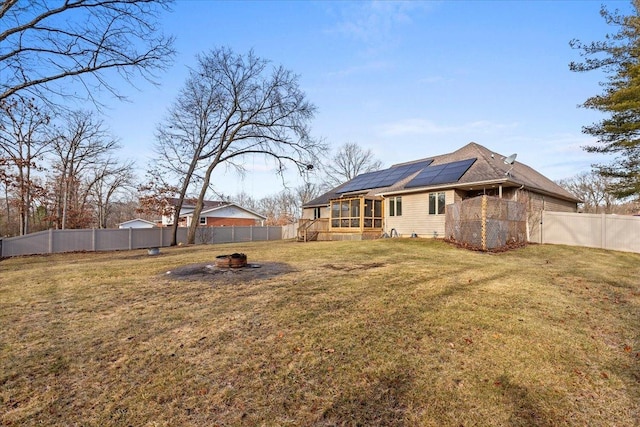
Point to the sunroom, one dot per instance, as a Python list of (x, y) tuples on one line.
[(356, 217)]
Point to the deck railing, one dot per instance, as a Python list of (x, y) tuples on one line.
[(309, 229)]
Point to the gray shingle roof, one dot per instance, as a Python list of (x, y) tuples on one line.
[(488, 167)]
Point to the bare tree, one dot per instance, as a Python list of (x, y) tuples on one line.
[(181, 141), (6, 182), (23, 143), (127, 206), (234, 105), (46, 44), (81, 148), (349, 161), (108, 180), (307, 192), (593, 189), (280, 209), (245, 200)]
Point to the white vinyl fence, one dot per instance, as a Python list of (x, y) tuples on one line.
[(615, 232), (55, 241)]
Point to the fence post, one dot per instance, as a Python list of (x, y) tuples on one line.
[(484, 223), (603, 231), (93, 239), (130, 238), (233, 233), (51, 240), (251, 233)]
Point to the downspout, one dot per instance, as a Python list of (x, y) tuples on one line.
[(361, 214), (384, 215), (541, 213)]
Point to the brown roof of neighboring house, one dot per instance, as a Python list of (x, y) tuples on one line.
[(488, 167), (191, 202)]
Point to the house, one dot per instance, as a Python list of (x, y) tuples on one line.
[(214, 213), (137, 223), (409, 199)]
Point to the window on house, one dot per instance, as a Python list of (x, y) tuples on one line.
[(203, 220), (395, 206), (437, 202), (316, 213)]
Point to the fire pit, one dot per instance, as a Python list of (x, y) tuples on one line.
[(231, 261)]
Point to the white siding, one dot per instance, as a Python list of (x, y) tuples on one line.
[(415, 216), (307, 213), (137, 223), (536, 204), (230, 212)]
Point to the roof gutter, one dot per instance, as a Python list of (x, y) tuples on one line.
[(477, 184)]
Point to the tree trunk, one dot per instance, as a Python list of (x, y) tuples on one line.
[(183, 192), (65, 202), (6, 198), (191, 234), (22, 211), (174, 226)]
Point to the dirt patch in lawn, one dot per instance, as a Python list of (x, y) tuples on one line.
[(210, 272), (352, 267)]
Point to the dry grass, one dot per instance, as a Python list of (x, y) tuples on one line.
[(390, 332)]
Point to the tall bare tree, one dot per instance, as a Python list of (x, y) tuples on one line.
[(181, 141), (6, 181), (234, 105), (23, 143), (82, 147), (349, 161), (47, 44), (108, 180)]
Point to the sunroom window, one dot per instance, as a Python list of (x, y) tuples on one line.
[(348, 213)]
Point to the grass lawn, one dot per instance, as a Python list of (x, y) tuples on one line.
[(395, 332)]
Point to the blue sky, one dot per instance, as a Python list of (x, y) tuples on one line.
[(405, 79)]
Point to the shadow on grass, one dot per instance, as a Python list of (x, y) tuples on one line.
[(525, 412), (381, 403)]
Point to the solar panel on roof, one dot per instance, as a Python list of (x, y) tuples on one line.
[(383, 178), (441, 174), (361, 182)]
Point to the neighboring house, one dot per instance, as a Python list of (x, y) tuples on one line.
[(214, 213), (137, 223), (409, 199)]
